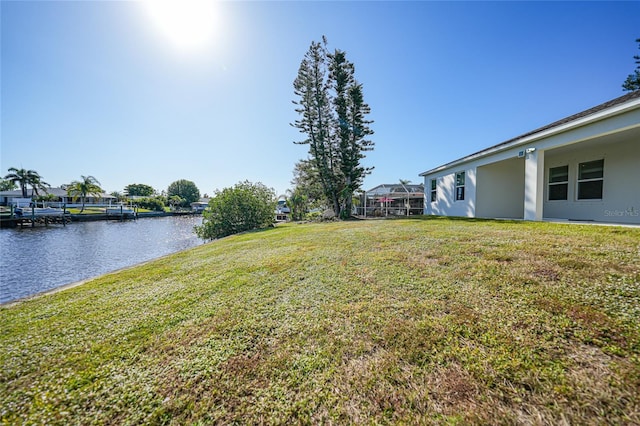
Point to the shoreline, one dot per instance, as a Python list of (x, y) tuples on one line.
[(63, 287), (12, 222)]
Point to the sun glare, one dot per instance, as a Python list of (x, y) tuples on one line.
[(187, 24)]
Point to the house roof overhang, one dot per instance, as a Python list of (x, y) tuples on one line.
[(600, 112)]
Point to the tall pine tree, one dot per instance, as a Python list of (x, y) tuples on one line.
[(333, 112), (316, 119), (632, 82), (352, 127)]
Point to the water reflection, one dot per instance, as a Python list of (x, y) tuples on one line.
[(38, 259)]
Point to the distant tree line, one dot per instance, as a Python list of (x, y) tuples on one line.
[(180, 193)]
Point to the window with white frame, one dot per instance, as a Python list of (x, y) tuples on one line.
[(460, 186), (558, 183), (590, 180), (434, 190)]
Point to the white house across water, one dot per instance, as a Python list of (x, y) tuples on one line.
[(60, 198), (585, 167)]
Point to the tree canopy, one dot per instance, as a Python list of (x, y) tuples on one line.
[(7, 185), (243, 207), (185, 189), (139, 190), (305, 181), (333, 119), (632, 82)]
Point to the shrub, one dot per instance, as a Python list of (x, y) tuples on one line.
[(244, 207), (314, 216), (154, 204)]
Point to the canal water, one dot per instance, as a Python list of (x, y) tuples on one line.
[(33, 260)]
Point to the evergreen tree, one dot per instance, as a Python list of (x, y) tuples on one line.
[(315, 108), (352, 128), (633, 80), (332, 109)]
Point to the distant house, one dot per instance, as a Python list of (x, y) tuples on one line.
[(395, 199), (200, 205), (282, 210), (60, 197), (585, 167)]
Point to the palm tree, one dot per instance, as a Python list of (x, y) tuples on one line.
[(38, 183), (88, 185), (26, 178)]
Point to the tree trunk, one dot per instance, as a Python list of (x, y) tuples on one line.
[(348, 205), (336, 204)]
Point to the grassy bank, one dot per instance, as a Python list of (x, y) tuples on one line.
[(425, 321)]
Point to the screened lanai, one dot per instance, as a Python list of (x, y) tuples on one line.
[(394, 199)]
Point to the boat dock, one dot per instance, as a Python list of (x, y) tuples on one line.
[(121, 212), (32, 216)]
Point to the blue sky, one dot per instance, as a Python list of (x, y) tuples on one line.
[(96, 88)]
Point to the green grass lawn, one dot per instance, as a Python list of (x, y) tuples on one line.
[(87, 210), (411, 321)]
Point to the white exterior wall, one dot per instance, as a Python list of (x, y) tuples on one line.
[(446, 204), (499, 189), (621, 186), (614, 136)]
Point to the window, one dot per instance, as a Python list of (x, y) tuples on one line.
[(460, 186), (434, 193), (590, 180), (558, 183)]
